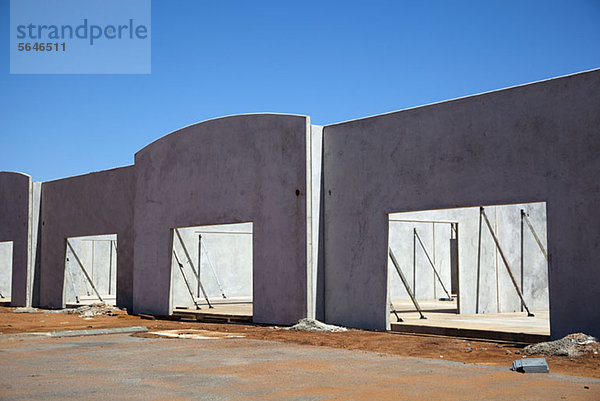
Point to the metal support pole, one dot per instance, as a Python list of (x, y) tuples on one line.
[(189, 258), (537, 239), (70, 273), (83, 270), (110, 252), (522, 264), (414, 264), (412, 297), (214, 272), (510, 273), (478, 263), (433, 266), (393, 310), (187, 284)]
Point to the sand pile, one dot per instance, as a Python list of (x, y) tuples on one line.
[(315, 325)]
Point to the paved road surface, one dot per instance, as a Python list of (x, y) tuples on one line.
[(121, 366)]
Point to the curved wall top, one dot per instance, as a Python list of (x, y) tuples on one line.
[(229, 170)]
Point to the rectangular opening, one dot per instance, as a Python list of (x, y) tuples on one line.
[(6, 268), (471, 261), (211, 269), (91, 269)]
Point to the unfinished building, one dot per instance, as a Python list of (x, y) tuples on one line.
[(488, 202), (532, 143)]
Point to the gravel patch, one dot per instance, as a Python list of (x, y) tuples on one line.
[(573, 345)]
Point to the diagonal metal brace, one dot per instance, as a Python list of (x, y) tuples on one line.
[(505, 260), (187, 284), (432, 265), (410, 293), (189, 258), (535, 236), (85, 273)]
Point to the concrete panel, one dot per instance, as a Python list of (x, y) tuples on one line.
[(316, 244), (496, 291), (93, 204), (536, 142), (98, 254), (6, 266), (226, 250), (15, 221), (249, 168), (35, 252)]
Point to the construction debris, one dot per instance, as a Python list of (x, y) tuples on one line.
[(85, 311), (315, 325), (25, 310), (533, 365), (573, 345), (96, 309)]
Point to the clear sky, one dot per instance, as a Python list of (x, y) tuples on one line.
[(333, 61)]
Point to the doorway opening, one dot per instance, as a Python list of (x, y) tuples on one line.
[(6, 268), (211, 269), (460, 264), (91, 269)]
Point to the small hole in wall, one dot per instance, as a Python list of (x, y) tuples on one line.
[(297, 192), (330, 192)]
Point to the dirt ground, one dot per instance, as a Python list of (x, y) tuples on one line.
[(436, 347)]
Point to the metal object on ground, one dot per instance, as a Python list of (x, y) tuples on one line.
[(412, 297), (505, 260), (530, 365)]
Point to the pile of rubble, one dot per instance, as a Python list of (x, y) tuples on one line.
[(573, 345), (86, 311), (315, 325), (96, 309)]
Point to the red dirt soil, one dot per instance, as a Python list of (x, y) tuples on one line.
[(448, 348)]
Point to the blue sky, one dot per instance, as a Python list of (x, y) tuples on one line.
[(333, 61)]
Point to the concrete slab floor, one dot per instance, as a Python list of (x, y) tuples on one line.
[(126, 367), (223, 308), (443, 314)]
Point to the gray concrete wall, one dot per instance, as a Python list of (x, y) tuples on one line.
[(248, 168), (495, 293), (15, 222), (225, 248), (317, 268), (35, 248), (93, 204), (536, 142)]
